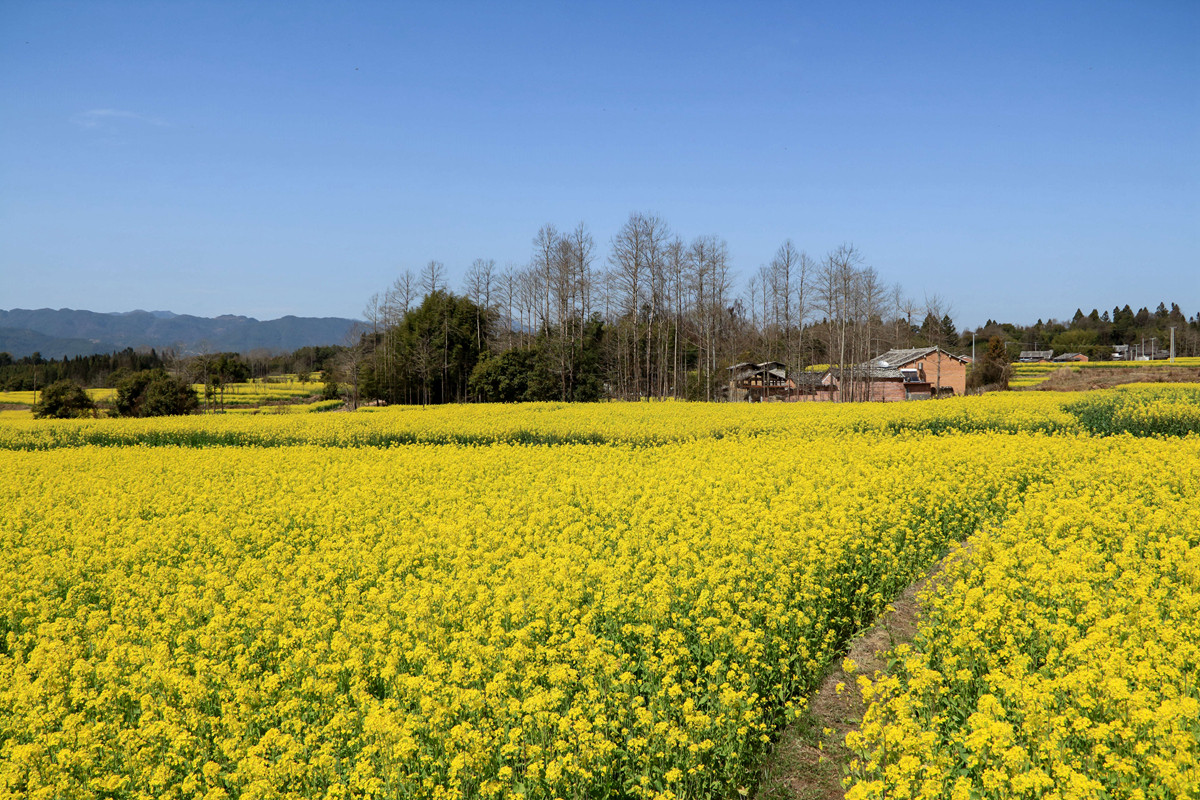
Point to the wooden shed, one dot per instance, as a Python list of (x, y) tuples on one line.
[(756, 382)]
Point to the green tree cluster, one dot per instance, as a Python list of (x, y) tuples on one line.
[(427, 357), (992, 370), (64, 399), (154, 393), (940, 332), (544, 371), (515, 376), (443, 351), (332, 389), (216, 371), (34, 372)]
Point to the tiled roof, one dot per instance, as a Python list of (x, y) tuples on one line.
[(888, 364), (809, 378)]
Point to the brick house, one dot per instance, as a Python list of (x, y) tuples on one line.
[(913, 374)]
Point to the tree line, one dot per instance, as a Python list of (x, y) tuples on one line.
[(145, 393), (1094, 334), (656, 316), (33, 372)]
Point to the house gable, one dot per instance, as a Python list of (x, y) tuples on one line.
[(903, 374)]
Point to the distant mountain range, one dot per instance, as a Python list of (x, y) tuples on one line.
[(65, 333)]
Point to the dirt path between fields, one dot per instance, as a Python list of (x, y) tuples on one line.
[(1083, 380), (810, 758)]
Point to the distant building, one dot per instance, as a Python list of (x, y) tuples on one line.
[(1036, 356), (757, 382), (1065, 357), (913, 374), (769, 381), (811, 387), (1120, 352)]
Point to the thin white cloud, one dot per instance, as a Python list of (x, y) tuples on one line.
[(101, 118)]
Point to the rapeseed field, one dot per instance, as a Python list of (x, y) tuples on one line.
[(1059, 654), (586, 601)]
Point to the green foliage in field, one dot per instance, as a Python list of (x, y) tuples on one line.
[(154, 393), (1162, 411)]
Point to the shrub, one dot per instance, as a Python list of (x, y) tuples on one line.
[(63, 400), (154, 393)]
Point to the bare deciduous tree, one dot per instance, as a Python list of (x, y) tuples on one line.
[(433, 278), (480, 284)]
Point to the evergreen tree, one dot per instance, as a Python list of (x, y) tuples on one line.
[(62, 400), (993, 369), (154, 393)]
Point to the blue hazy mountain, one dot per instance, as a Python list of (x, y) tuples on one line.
[(65, 332)]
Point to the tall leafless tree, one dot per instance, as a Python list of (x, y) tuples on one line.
[(433, 278), (480, 285)]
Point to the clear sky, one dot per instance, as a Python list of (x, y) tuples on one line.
[(1017, 159)]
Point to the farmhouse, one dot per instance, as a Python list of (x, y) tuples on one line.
[(757, 382), (913, 374), (1035, 356), (1066, 357)]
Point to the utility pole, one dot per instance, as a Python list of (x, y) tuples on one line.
[(972, 352), (939, 372), (1172, 344)]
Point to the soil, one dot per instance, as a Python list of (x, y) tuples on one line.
[(1070, 380), (810, 758)]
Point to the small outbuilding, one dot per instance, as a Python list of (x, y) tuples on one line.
[(758, 382)]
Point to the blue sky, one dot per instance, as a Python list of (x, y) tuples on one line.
[(1016, 159)]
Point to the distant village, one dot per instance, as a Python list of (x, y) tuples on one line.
[(899, 374), (908, 374)]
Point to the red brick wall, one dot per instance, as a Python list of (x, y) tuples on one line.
[(881, 391), (954, 372), (953, 379)]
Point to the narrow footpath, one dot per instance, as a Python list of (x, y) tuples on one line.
[(811, 757)]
